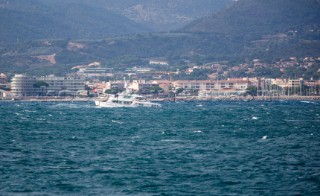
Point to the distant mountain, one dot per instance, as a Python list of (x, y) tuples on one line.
[(164, 15), (269, 30), (36, 19), (261, 17), (90, 19)]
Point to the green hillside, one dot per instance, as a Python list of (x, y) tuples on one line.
[(249, 29), (90, 19), (34, 19), (164, 15), (261, 17)]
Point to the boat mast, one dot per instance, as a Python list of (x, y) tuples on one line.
[(127, 91)]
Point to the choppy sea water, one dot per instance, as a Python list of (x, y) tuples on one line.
[(183, 148)]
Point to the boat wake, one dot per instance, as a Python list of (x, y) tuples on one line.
[(118, 122), (309, 102)]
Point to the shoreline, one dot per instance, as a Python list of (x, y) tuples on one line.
[(216, 98), (50, 99), (269, 98)]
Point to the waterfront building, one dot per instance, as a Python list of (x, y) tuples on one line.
[(222, 92), (214, 88), (142, 86), (3, 78), (4, 84), (211, 85), (58, 85), (22, 85), (313, 87), (166, 85), (119, 85), (100, 88), (5, 94), (295, 83), (282, 83)]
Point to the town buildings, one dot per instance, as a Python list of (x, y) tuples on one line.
[(62, 85), (214, 87), (158, 62), (95, 72), (207, 80), (4, 82), (23, 85), (4, 86), (3, 78), (144, 87)]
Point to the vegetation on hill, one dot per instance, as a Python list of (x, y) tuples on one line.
[(92, 19), (261, 17), (34, 19), (120, 53), (165, 15)]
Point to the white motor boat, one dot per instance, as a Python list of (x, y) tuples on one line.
[(124, 100)]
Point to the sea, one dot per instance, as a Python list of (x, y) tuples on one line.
[(182, 148)]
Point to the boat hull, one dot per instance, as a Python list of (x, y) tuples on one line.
[(108, 104)]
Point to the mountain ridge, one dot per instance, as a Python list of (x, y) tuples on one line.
[(92, 19), (253, 36), (260, 16), (34, 20)]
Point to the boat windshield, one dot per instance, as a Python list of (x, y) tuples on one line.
[(140, 98), (127, 97)]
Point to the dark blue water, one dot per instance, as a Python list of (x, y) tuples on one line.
[(185, 148)]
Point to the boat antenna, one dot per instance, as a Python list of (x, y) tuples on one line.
[(126, 86), (125, 83)]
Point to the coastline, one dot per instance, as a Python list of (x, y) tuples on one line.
[(51, 99), (214, 98), (267, 98)]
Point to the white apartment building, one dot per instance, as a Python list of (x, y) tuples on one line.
[(95, 72), (142, 86), (210, 85), (22, 85), (158, 62), (58, 84)]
